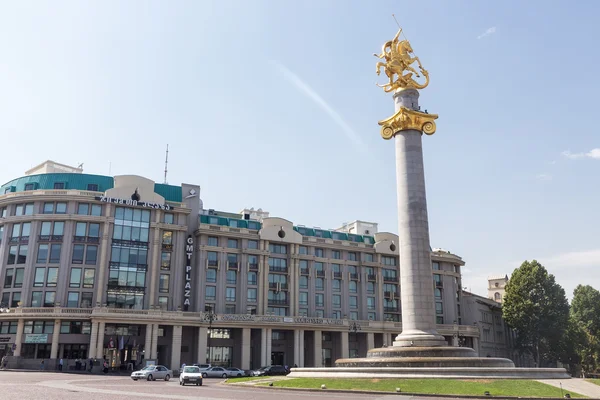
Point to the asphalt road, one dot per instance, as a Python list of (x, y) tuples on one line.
[(62, 386)]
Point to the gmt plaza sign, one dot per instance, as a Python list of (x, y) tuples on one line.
[(134, 203), (187, 289)]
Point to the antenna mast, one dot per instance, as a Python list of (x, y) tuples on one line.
[(166, 163)]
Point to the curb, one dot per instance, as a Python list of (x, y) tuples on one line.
[(381, 392)]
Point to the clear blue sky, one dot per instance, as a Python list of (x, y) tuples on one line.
[(273, 104)]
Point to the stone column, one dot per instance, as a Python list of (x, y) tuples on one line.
[(301, 344), (104, 258), (318, 349), (100, 346), (93, 340), (370, 340), (245, 349), (344, 345), (263, 347), (416, 281), (269, 339), (176, 347), (154, 352), (55, 335), (148, 342), (202, 344), (297, 347), (476, 345), (154, 266), (19, 337)]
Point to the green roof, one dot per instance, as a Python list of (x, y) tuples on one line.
[(81, 182)]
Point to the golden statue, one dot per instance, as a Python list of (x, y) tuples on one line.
[(398, 62)]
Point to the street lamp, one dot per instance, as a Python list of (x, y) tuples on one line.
[(209, 316), (4, 308)]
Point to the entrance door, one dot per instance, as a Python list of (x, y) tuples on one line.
[(277, 358)]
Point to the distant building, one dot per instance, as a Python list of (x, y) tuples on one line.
[(496, 287)]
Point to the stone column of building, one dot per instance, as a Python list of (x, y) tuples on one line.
[(476, 345), (176, 347), (344, 345), (263, 346), (293, 279), (55, 336), (100, 345), (19, 337), (154, 350), (379, 289), (370, 340), (297, 347), (93, 340), (154, 265), (246, 348), (263, 283), (148, 341), (202, 344), (418, 306), (318, 349), (102, 269), (301, 344), (269, 342)]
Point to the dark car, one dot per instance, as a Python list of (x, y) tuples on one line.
[(271, 370)]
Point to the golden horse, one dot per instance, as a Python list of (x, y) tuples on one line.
[(398, 61)]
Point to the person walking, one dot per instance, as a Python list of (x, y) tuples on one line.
[(60, 365), (42, 365), (91, 364), (4, 360)]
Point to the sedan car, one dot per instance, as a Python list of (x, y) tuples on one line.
[(215, 372), (235, 372), (271, 370), (191, 375), (152, 373)]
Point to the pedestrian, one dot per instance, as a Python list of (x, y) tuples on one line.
[(105, 367), (4, 360), (42, 365), (295, 365), (91, 364), (60, 365)]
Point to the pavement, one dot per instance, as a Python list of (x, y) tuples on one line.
[(576, 385)]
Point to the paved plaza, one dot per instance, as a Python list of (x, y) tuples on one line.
[(54, 386)]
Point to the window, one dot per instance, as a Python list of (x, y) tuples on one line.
[(351, 256), (278, 248), (336, 300), (24, 209), (439, 308), (303, 250), (252, 278), (387, 260), (319, 300), (167, 238), (354, 316), (12, 254), (36, 299), (83, 209), (232, 260), (3, 212), (277, 264), (211, 275), (232, 243), (230, 294), (371, 303), (213, 259), (319, 252), (21, 231), (78, 250), (40, 275), (252, 295), (52, 277), (8, 277), (319, 284), (368, 257), (165, 263), (75, 279), (86, 300), (49, 299), (38, 327), (89, 277), (213, 241), (169, 218), (54, 253), (336, 285), (253, 244), (435, 266), (497, 296), (8, 327), (18, 280), (438, 294), (163, 302), (163, 286), (61, 208), (353, 301), (5, 298), (353, 286), (29, 186), (96, 210), (336, 254), (48, 208), (210, 293), (320, 313), (91, 255), (73, 300), (231, 277), (92, 187), (303, 282), (303, 298), (372, 316), (59, 185), (439, 320)]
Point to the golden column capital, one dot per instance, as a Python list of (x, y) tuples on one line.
[(406, 119)]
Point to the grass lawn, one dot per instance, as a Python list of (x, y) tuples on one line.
[(245, 379), (497, 388), (596, 381)]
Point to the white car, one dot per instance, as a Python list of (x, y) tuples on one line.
[(190, 375), (152, 373)]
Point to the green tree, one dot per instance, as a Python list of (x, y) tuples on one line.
[(585, 313), (536, 307)]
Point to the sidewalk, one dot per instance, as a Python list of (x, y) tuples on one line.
[(576, 385)]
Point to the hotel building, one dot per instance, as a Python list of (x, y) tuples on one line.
[(130, 270)]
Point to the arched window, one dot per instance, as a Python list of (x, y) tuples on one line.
[(497, 296)]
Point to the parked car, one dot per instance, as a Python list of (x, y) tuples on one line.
[(271, 370), (190, 375), (235, 372), (215, 372), (203, 367), (152, 373)]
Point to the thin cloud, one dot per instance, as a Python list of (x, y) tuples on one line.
[(488, 32), (309, 92), (593, 153), (543, 177)]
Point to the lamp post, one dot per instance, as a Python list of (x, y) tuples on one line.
[(209, 316)]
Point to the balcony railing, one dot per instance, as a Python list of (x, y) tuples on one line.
[(278, 286), (304, 271), (50, 238), (320, 274), (131, 243), (86, 239), (233, 265), (439, 284), (125, 288), (371, 277), (390, 294), (117, 265), (19, 239), (337, 274), (353, 276), (167, 246), (390, 309), (273, 268), (390, 279), (213, 263), (278, 302), (253, 267)]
